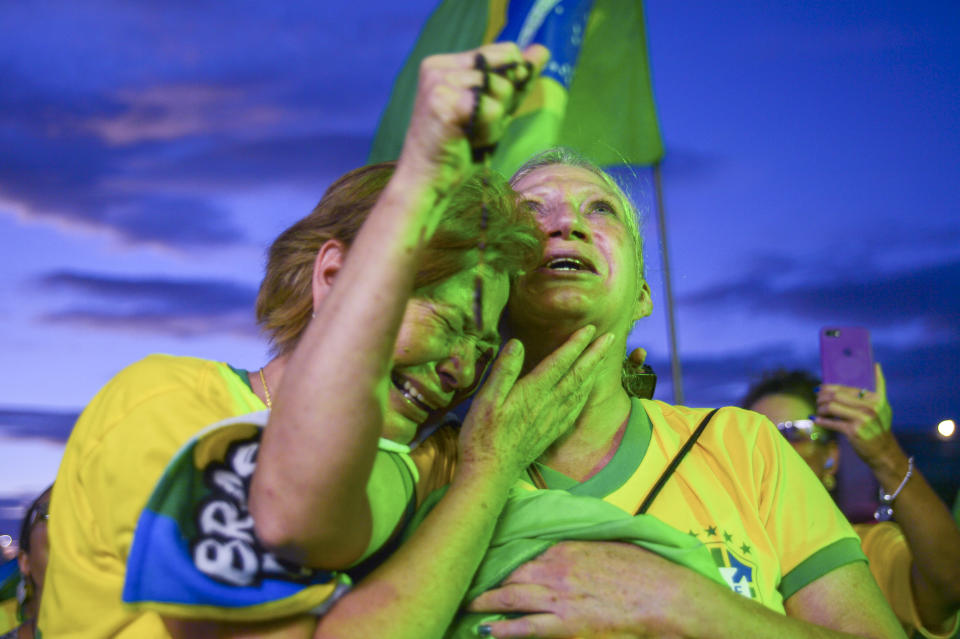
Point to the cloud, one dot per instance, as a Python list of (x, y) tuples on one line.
[(150, 166), (882, 299), (171, 112), (301, 159), (66, 182), (142, 137), (50, 426), (921, 380), (182, 308), (722, 379)]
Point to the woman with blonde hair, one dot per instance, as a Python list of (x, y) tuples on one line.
[(383, 311)]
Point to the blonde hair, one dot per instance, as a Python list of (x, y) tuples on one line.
[(285, 300)]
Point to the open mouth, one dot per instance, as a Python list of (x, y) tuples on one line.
[(570, 263), (409, 391)]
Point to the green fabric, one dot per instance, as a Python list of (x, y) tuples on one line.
[(630, 452), (611, 116), (243, 375), (454, 26), (554, 479), (828, 558), (608, 114), (535, 520)]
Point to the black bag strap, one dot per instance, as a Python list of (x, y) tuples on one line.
[(674, 463)]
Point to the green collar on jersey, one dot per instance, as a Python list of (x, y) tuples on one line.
[(633, 446)]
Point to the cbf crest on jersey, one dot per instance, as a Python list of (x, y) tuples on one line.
[(736, 571), (733, 559)]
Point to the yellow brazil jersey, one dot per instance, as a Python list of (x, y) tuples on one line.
[(117, 451), (742, 491)]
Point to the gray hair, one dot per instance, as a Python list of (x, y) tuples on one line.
[(568, 157)]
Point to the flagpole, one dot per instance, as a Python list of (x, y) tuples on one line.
[(668, 289)]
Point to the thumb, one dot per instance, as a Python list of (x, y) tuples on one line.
[(881, 383)]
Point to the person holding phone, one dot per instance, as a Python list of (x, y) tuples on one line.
[(916, 561)]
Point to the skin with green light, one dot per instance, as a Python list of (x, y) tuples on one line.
[(865, 418), (368, 324), (610, 589)]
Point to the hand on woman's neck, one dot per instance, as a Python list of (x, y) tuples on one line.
[(592, 439)]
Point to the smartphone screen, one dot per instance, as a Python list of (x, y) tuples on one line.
[(846, 357)]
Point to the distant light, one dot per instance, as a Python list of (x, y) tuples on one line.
[(947, 428)]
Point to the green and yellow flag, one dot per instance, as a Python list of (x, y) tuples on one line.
[(594, 96)]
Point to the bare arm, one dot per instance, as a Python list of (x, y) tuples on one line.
[(616, 589), (318, 451), (416, 592), (931, 533)]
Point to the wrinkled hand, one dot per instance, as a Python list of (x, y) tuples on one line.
[(436, 146), (863, 416), (511, 422), (588, 589)]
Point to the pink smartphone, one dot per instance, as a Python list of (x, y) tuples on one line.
[(846, 357)]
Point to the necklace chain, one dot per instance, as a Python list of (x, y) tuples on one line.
[(266, 389)]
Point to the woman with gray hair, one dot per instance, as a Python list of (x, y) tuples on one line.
[(792, 564)]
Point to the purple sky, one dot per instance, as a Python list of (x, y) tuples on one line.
[(150, 151)]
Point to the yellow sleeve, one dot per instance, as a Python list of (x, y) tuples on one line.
[(809, 533), (116, 453), (890, 562), (151, 410)]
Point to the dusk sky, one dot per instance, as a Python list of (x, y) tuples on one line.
[(150, 151)]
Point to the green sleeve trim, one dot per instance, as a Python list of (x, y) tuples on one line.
[(242, 374), (623, 465), (839, 553), (625, 461)]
